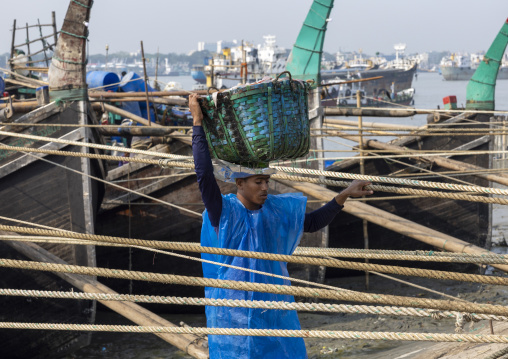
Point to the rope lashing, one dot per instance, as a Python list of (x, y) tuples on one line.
[(346, 295), (399, 336), (69, 61), (401, 181), (426, 273), (74, 35), (93, 145), (424, 256), (278, 176), (423, 193), (399, 190), (391, 180), (254, 304), (84, 155), (81, 4)]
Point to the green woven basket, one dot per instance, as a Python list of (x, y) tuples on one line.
[(258, 123)]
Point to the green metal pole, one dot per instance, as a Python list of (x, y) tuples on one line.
[(481, 89), (304, 62)]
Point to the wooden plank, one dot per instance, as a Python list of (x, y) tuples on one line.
[(36, 116), (147, 189), (25, 160)]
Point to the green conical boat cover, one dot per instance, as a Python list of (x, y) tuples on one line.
[(304, 62), (481, 89)]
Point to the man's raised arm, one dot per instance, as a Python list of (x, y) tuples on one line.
[(210, 192)]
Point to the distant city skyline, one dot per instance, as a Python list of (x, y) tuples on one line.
[(177, 26)]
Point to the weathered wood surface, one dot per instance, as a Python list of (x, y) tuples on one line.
[(466, 350), (67, 69), (132, 311), (467, 221), (42, 193)]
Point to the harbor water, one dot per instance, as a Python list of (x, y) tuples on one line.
[(430, 90)]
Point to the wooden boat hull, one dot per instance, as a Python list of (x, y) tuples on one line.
[(36, 191), (468, 221), (402, 79)]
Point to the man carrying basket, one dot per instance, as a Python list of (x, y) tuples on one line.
[(253, 220)]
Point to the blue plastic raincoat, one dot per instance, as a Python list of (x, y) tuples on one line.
[(275, 228)]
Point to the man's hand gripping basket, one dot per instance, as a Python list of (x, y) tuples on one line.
[(258, 123)]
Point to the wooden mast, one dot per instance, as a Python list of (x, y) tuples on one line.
[(67, 75)]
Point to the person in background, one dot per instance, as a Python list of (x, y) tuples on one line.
[(253, 220)]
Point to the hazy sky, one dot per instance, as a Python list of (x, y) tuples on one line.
[(178, 25)]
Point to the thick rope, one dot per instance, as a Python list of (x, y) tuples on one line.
[(26, 124), (407, 191), (429, 337), (254, 304), (293, 280), (400, 181), (83, 155), (426, 273), (341, 294), (94, 145), (424, 256), (399, 190)]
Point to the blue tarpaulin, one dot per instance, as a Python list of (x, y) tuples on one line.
[(275, 228)]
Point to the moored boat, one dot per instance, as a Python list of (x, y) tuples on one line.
[(43, 190)]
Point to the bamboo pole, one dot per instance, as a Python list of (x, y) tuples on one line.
[(441, 161), (374, 112), (28, 106), (396, 223), (127, 114), (53, 24), (164, 101), (373, 124), (116, 110), (103, 94), (13, 42), (362, 171), (137, 314), (24, 78), (146, 85), (28, 46)]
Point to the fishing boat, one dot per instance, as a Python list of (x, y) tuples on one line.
[(468, 221), (55, 191), (343, 93), (458, 67), (400, 72)]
